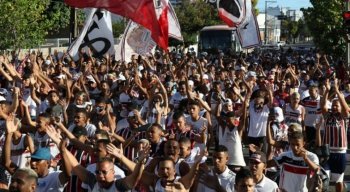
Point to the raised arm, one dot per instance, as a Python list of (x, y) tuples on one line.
[(344, 105), (132, 179), (188, 179), (324, 99), (70, 162), (11, 127)]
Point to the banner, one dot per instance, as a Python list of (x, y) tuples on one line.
[(137, 40), (249, 34), (239, 14), (151, 14), (96, 35), (232, 12), (174, 25)]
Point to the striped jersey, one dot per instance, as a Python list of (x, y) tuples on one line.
[(335, 131), (294, 170), (293, 115), (126, 133), (312, 110), (84, 159)]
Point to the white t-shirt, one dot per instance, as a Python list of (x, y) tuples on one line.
[(266, 185), (50, 183), (233, 142), (226, 180), (176, 98), (258, 121), (90, 128), (118, 173), (20, 160)]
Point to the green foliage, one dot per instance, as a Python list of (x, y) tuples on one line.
[(25, 23), (119, 27), (325, 23), (193, 16)]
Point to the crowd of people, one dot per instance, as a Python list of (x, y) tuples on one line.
[(173, 121)]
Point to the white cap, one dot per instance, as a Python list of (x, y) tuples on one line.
[(90, 79), (61, 76), (140, 68), (190, 83), (2, 98), (228, 102), (131, 114), (205, 76), (121, 77), (242, 68), (47, 62), (278, 112), (251, 74)]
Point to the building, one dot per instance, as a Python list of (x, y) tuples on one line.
[(272, 25)]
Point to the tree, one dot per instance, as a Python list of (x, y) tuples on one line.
[(25, 23), (119, 27), (324, 21), (193, 16)]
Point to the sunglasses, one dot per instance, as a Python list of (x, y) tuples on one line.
[(103, 172)]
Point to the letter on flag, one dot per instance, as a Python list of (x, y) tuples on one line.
[(151, 14), (96, 35)]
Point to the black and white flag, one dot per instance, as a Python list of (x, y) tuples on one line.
[(96, 35)]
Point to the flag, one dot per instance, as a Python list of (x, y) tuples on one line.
[(96, 35), (248, 34), (151, 14), (248, 31), (232, 12), (239, 14), (174, 26), (137, 40)]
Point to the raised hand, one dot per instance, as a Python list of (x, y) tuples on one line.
[(327, 85), (175, 187), (159, 108), (336, 85), (143, 154), (116, 152), (54, 134), (11, 124)]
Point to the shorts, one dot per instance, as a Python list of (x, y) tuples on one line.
[(337, 165), (310, 133)]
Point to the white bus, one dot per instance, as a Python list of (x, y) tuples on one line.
[(218, 37)]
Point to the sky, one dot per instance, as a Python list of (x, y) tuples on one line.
[(293, 4)]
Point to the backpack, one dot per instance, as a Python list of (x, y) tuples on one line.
[(318, 182)]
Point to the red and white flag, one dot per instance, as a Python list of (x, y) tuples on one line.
[(232, 12), (151, 14), (137, 40)]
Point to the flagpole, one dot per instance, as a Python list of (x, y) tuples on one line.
[(73, 24)]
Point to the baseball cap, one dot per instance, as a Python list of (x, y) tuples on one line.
[(42, 153), (258, 156), (278, 112), (205, 76), (2, 98), (251, 74), (228, 102)]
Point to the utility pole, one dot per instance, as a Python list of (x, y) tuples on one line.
[(72, 24), (265, 32)]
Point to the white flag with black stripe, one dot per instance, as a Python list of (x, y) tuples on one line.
[(96, 35)]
